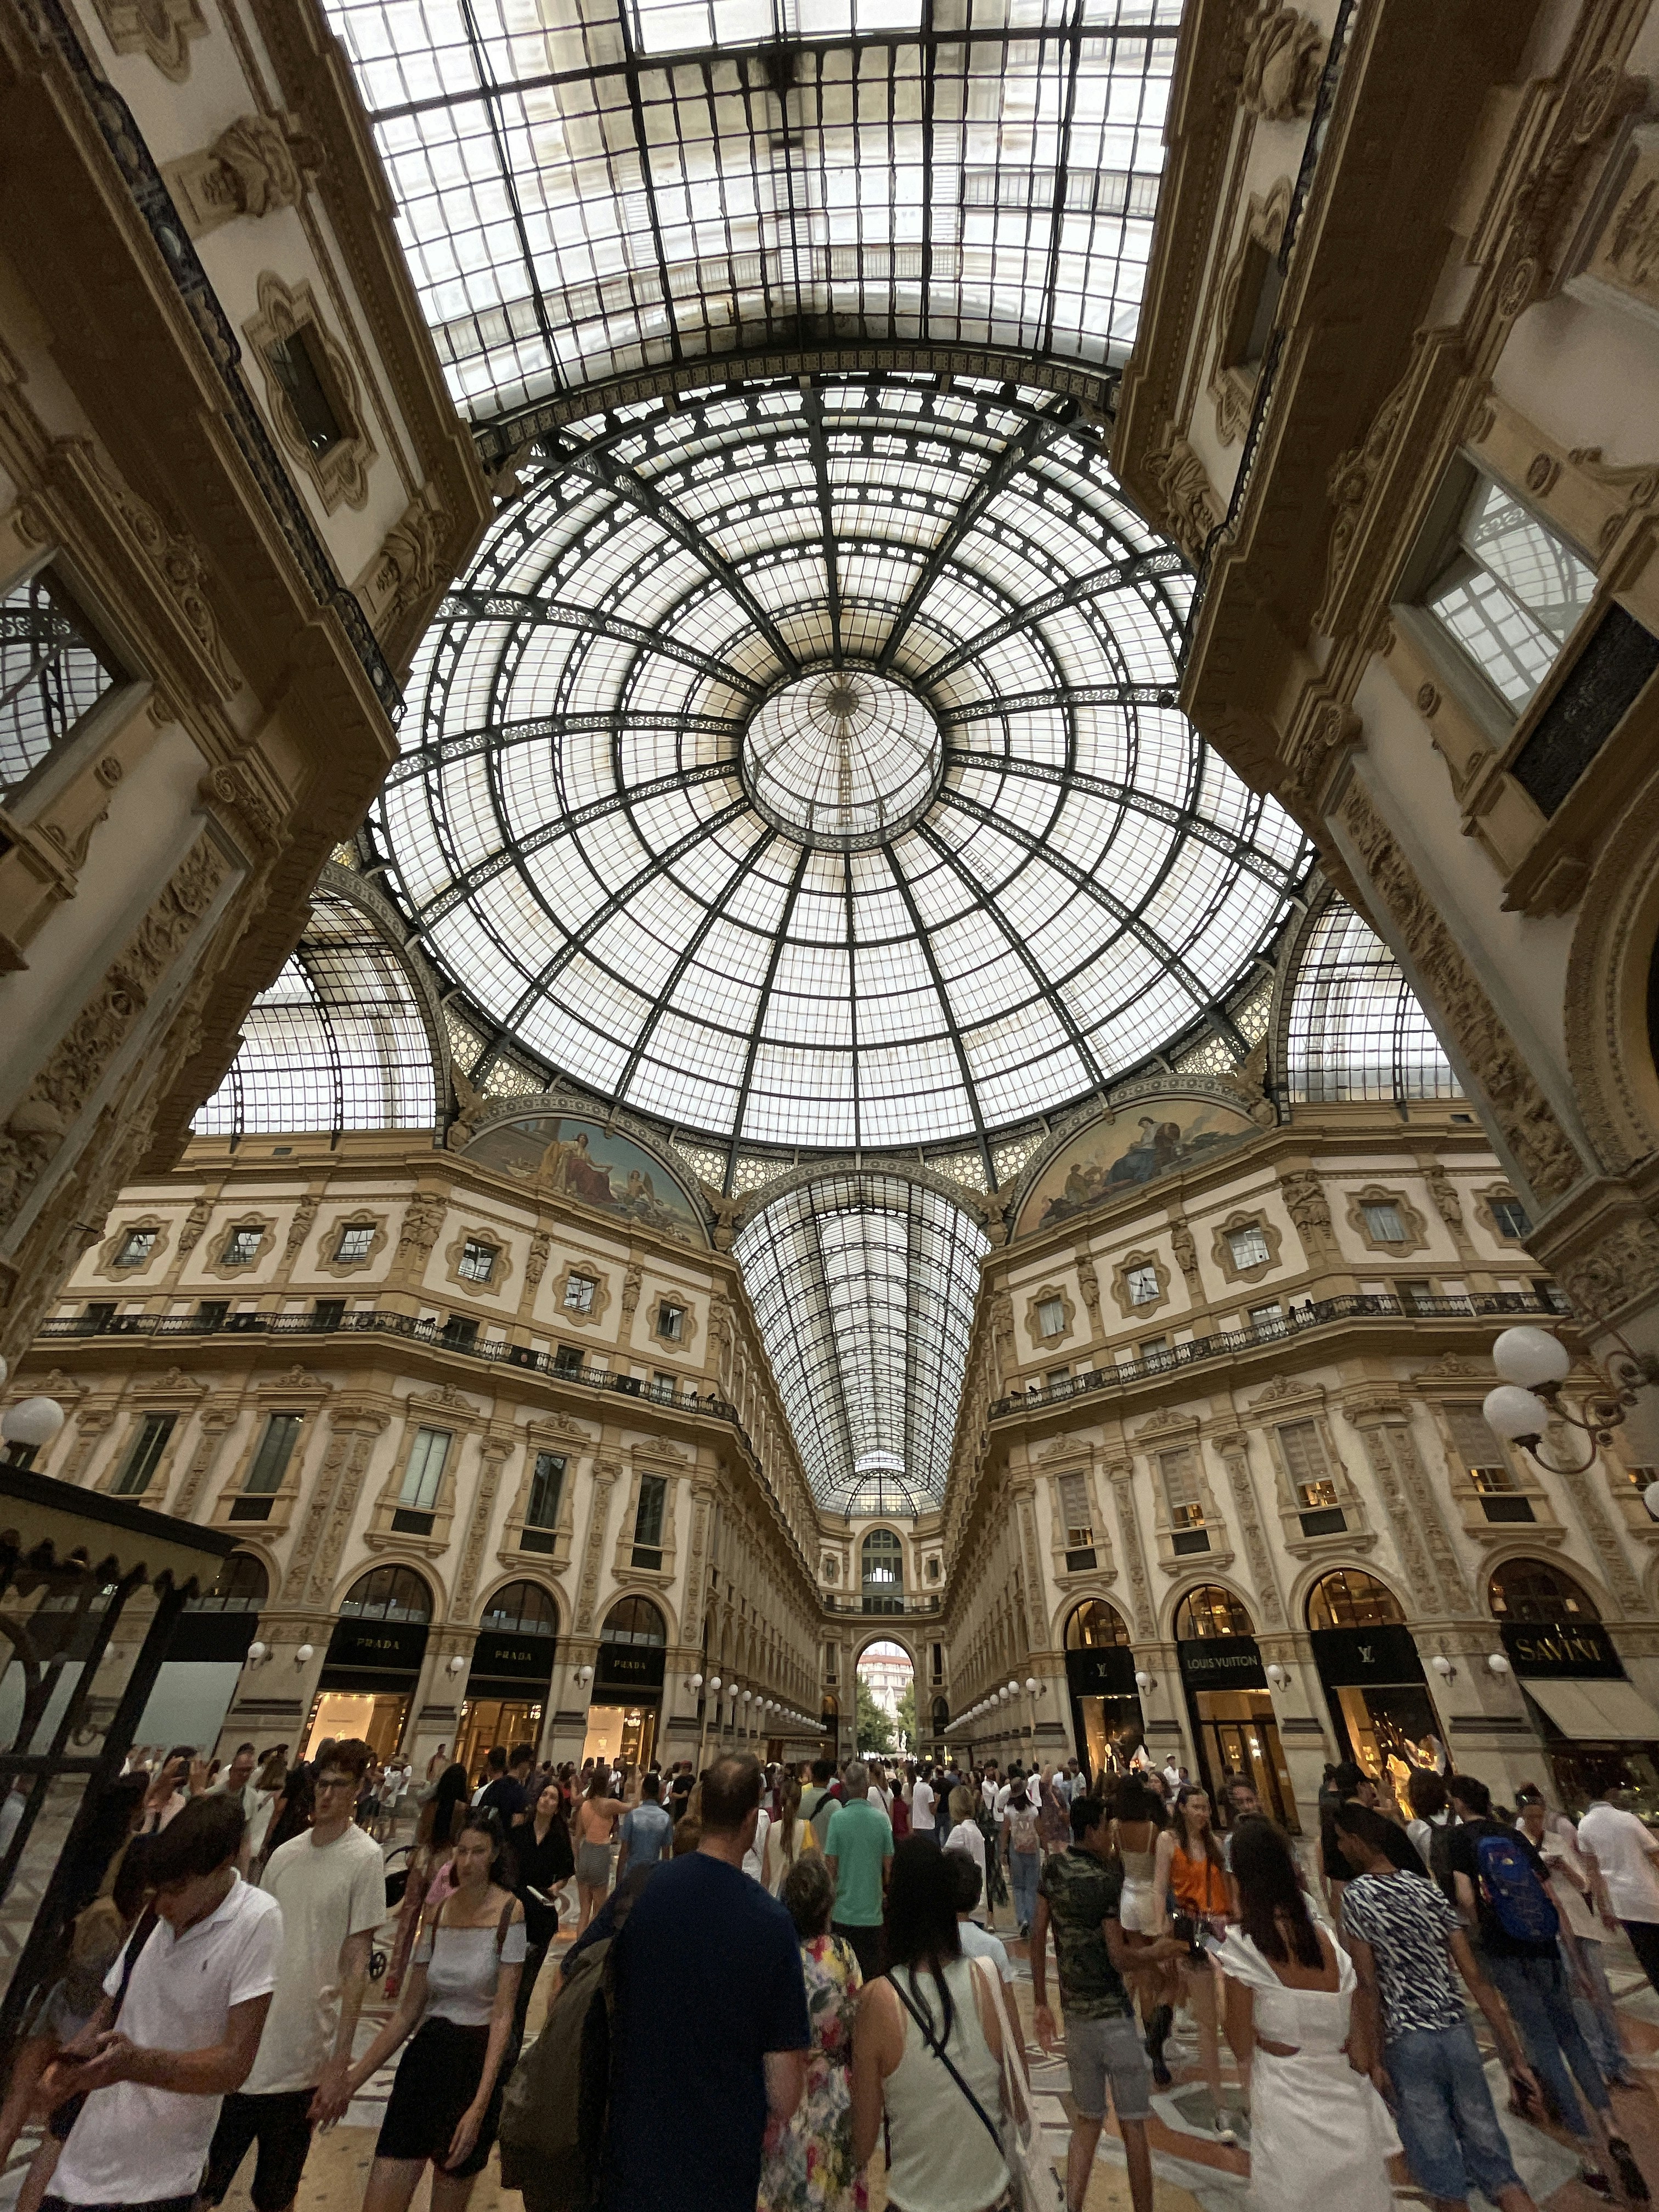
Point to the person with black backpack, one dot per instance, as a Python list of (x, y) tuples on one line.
[(1502, 1887)]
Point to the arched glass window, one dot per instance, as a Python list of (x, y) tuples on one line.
[(635, 1620), (1349, 1598), (1095, 1624), (242, 1586), (1538, 1590), (1356, 1031), (884, 1562), (388, 1593), (1211, 1611), (522, 1609)]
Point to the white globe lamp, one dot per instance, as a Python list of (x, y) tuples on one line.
[(1532, 1358)]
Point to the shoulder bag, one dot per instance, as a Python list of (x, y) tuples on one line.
[(1033, 2183)]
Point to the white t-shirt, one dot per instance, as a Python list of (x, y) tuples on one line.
[(327, 1893), (1620, 1844), (131, 2144), (922, 1809), (754, 1859), (988, 1790), (966, 1836), (978, 1943)]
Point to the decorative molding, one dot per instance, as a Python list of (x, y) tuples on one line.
[(1125, 1305), (1485, 1213), (160, 30), (501, 1269), (227, 1271), (161, 1223), (324, 1263), (214, 1424), (496, 1450), (1235, 1459), (1040, 1298), (1122, 1476), (304, 1214), (1233, 374), (251, 168), (605, 1471), (341, 472), (1191, 506), (1222, 1250), (1308, 1207), (568, 1317), (1282, 65), (1411, 1220)]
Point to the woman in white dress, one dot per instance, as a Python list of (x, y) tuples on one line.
[(1319, 2132)]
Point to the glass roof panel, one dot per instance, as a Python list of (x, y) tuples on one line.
[(802, 840), (862, 1289), (1356, 1029), (589, 187), (335, 1042)]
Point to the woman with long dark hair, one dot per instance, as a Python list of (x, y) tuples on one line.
[(1189, 1865), (930, 2004), (593, 1831), (542, 1847), (427, 1880), (1318, 2128), (459, 2003)]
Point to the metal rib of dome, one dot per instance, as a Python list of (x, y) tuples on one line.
[(593, 843)]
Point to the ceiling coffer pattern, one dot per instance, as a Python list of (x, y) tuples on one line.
[(799, 765), (591, 187)]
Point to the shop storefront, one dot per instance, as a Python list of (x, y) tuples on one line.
[(1590, 1718), (507, 1687), (1228, 1704), (367, 1683), (1107, 1726), (1381, 1711), (626, 1703)]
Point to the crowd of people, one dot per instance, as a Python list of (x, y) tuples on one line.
[(831, 1934)]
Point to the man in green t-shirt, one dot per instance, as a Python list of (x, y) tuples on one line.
[(858, 1850), (1078, 1899)]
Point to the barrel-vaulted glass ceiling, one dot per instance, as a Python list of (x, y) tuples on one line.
[(799, 765), (589, 187), (863, 1287)]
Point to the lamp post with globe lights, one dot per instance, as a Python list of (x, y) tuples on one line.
[(1533, 1365), (28, 1427)]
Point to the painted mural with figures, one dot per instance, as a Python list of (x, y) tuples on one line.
[(596, 1166), (1149, 1138)]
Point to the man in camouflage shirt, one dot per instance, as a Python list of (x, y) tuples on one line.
[(1078, 1899)]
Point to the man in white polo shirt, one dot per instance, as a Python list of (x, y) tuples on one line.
[(1627, 1856), (190, 2024)]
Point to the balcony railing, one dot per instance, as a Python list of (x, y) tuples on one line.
[(881, 1605), (1316, 1313), (441, 1335)]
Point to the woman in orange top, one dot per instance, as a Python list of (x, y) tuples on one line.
[(1189, 1866)]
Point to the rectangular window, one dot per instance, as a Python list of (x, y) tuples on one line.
[(1142, 1283), (1383, 1225), (1051, 1317), (662, 1384), (1248, 1247), (354, 1240), (136, 1248), (938, 1656), (671, 1322), (1179, 1473), (567, 1360), (1484, 1459), (579, 1293), (144, 1454), (276, 1448), (1305, 1464), (1510, 1216), (212, 1313), (327, 1313), (296, 362), (829, 1662), (1155, 1349), (647, 1520), (460, 1333), (1267, 1317), (477, 1261), (1055, 1377), (1553, 1296), (428, 1457), (1507, 591), (1074, 1511), (546, 1490), (242, 1247), (54, 669), (99, 1314)]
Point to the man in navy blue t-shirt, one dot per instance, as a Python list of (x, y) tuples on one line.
[(709, 2032)]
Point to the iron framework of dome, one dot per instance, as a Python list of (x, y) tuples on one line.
[(799, 765)]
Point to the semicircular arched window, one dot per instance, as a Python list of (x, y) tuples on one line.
[(1349, 1598), (1095, 1624), (1538, 1590), (241, 1586), (635, 1620), (388, 1593), (1211, 1611), (521, 1609)]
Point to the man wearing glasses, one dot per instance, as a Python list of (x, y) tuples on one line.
[(330, 1884)]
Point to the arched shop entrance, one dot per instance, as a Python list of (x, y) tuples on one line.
[(627, 1700), (1593, 1722), (511, 1666), (373, 1662), (884, 1683), (1227, 1700), (1373, 1678), (1100, 1674)]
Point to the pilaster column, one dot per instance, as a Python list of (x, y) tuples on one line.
[(1235, 1450), (1120, 1475), (216, 1424)]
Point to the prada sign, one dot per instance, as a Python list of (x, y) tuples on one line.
[(1560, 1649), (630, 1666), (1222, 1662), (381, 1647), (514, 1658), (1103, 1671)]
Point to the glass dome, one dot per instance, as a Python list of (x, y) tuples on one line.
[(799, 764)]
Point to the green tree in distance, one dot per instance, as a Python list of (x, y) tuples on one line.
[(875, 1724)]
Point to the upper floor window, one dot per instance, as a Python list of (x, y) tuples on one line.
[(1383, 1225), (354, 1240), (1248, 1247), (1179, 1471), (567, 1360), (242, 1246), (425, 1471), (648, 1521), (1487, 1466), (270, 1463), (1510, 1216), (1507, 590), (1051, 1317), (144, 1454), (477, 1260), (579, 1293), (136, 1248), (1306, 1463), (300, 366), (1142, 1283), (546, 1489), (671, 1321), (54, 669)]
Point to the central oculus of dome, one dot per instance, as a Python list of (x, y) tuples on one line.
[(842, 758)]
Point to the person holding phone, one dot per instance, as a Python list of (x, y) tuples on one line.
[(1189, 1865), (546, 1863)]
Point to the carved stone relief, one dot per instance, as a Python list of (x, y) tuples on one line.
[(604, 1476), (1236, 1458), (251, 168), (496, 1450), (1282, 65), (216, 1424), (161, 30), (1135, 1559)]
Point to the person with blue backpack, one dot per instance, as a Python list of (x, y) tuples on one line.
[(1502, 1887)]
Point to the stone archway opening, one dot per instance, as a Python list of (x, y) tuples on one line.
[(884, 1683)]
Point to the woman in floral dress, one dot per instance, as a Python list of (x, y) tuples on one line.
[(808, 2161)]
